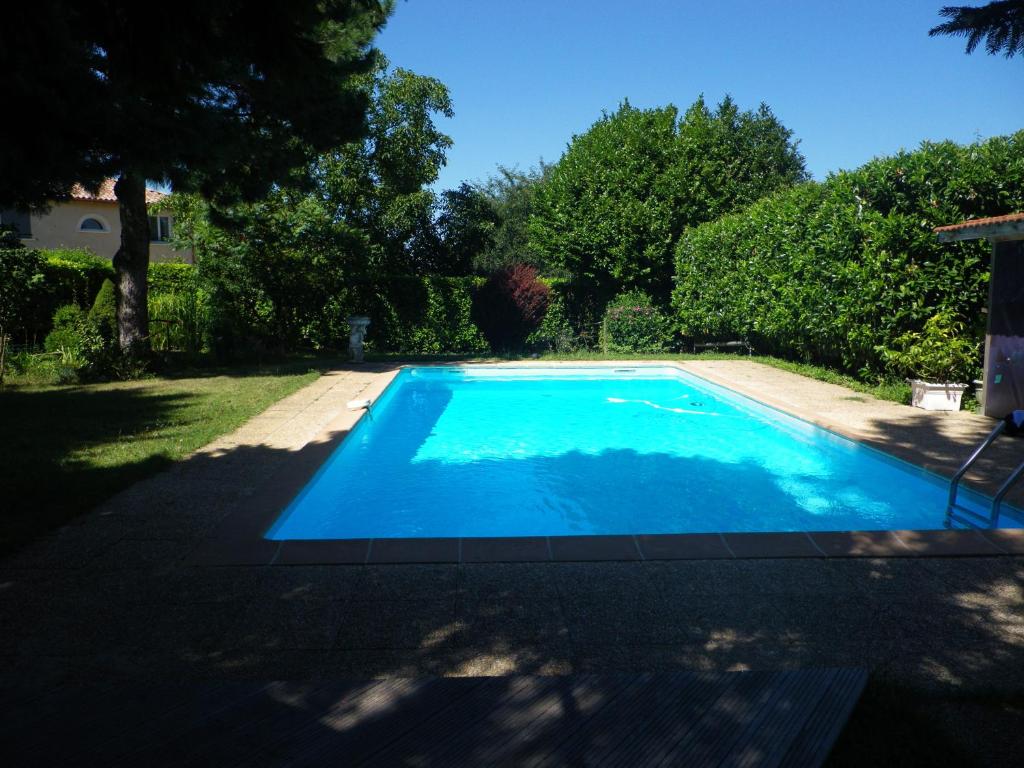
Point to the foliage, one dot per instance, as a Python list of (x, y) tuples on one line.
[(611, 210), (555, 332), (834, 272), (633, 324), (275, 273), (376, 191), (418, 315), (465, 228), (941, 351), (103, 314), (511, 196), (79, 348), (237, 101), (510, 306), (21, 275), (999, 23)]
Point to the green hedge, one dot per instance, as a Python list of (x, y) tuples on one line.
[(837, 272), (421, 315), (75, 277)]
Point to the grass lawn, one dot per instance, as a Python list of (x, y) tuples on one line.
[(64, 449)]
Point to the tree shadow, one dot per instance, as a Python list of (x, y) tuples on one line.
[(942, 444), (47, 479)]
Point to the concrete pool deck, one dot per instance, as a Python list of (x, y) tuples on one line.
[(934, 441), (125, 594)]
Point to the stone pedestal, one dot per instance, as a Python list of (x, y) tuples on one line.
[(358, 325)]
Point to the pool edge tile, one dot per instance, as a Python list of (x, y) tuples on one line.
[(433, 550), (1008, 540), (323, 552), (683, 546), (860, 544), (513, 549), (959, 543), (593, 548), (763, 545)]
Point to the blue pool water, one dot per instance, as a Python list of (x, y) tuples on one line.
[(555, 451)]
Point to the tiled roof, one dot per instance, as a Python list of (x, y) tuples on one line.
[(105, 193), (972, 223)]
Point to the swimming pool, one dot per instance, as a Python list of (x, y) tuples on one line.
[(560, 451)]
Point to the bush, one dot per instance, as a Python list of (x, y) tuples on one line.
[(633, 324), (103, 314), (555, 331), (836, 273), (81, 350), (942, 351), (510, 306)]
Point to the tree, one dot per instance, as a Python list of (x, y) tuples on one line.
[(611, 210), (466, 228), (226, 101), (380, 186), (1000, 24), (511, 194), (276, 268)]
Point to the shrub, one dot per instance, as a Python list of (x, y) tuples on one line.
[(82, 351), (510, 306), (633, 324), (555, 331), (178, 321), (103, 314), (941, 351), (838, 272)]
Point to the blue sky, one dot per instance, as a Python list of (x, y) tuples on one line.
[(853, 80)]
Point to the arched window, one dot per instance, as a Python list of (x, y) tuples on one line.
[(92, 224)]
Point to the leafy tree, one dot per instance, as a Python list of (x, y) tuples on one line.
[(466, 228), (226, 100), (1000, 24), (611, 210), (511, 195), (275, 268), (380, 186)]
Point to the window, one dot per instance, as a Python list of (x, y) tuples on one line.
[(19, 221), (159, 229), (92, 224)]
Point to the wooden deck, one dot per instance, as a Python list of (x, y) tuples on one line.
[(694, 719)]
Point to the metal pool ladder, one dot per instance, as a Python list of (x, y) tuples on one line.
[(1013, 426)]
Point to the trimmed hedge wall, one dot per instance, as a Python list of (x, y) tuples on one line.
[(836, 272), (75, 277), (420, 315)]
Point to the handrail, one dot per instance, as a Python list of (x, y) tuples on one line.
[(996, 432), (997, 501)]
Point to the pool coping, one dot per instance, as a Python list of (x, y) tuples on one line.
[(239, 539)]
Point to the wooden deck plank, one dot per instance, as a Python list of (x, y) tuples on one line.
[(357, 733), (681, 705), (820, 732), (682, 718)]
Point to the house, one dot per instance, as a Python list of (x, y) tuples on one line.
[(91, 220)]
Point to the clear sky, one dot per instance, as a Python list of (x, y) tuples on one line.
[(852, 78)]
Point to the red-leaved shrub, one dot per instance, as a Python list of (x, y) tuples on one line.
[(510, 306)]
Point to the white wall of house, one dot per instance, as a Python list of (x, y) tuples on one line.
[(61, 228)]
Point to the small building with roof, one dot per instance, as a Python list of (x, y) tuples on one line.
[(91, 220), (1003, 378)]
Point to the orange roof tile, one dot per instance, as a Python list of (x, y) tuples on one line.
[(981, 222), (105, 193)]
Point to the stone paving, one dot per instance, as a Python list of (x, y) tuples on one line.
[(119, 594)]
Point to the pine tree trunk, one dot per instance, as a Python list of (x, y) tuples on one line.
[(131, 266)]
